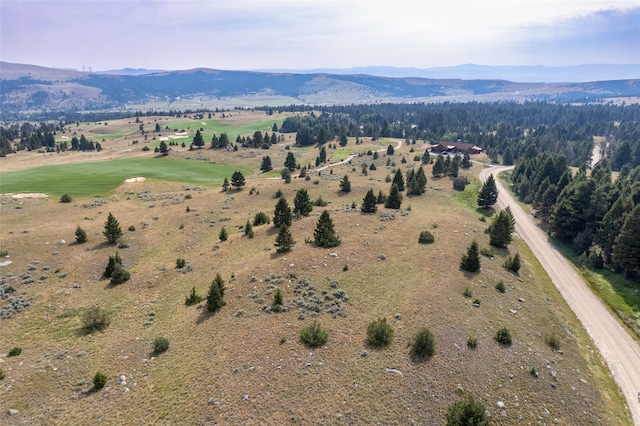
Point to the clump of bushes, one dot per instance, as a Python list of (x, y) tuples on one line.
[(423, 344), (119, 275), (512, 263), (426, 237), (313, 336), (15, 351), (66, 198), (261, 218), (379, 333), (95, 319), (99, 380), (160, 345), (460, 183), (503, 336), (193, 298), (467, 412)]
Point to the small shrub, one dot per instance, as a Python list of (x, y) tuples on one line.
[(95, 319), (188, 197), (15, 351), (426, 237), (146, 148), (66, 198), (501, 287), (4, 253), (553, 341), (379, 333), (467, 293), (487, 252), (180, 263), (119, 275), (533, 372), (160, 345), (476, 302), (512, 263), (99, 380), (467, 412), (313, 336), (223, 235), (123, 245), (1, 374), (132, 228), (503, 336), (278, 193), (193, 298), (261, 218), (345, 267), (472, 342), (81, 235), (277, 300), (482, 219), (460, 183), (320, 202), (423, 344)]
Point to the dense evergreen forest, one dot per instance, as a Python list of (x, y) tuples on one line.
[(595, 212)]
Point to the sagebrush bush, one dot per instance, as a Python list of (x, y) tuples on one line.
[(193, 298), (160, 345), (261, 218), (313, 335), (467, 293), (426, 237), (66, 198), (423, 344), (553, 341), (99, 380), (94, 319), (501, 287), (119, 275), (503, 336), (15, 351), (132, 228), (513, 263), (472, 342), (467, 412), (379, 333)]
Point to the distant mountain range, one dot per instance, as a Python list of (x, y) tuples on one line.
[(35, 88)]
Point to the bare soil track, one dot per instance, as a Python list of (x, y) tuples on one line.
[(617, 347)]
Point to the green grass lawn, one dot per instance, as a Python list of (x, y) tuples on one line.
[(218, 126), (101, 177), (341, 154)]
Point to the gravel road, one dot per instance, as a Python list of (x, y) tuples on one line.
[(619, 350)]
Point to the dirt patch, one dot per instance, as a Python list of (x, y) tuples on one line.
[(135, 179), (28, 195)]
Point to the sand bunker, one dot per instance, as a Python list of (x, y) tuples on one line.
[(29, 195), (135, 179)]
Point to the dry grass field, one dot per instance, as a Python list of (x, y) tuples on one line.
[(244, 365)]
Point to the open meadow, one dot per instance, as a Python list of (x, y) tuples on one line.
[(245, 363)]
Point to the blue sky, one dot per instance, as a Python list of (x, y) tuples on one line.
[(306, 34)]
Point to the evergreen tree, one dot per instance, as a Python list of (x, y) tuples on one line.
[(507, 157), (471, 261), (114, 261), (81, 235), (417, 182), (454, 167), (500, 230), (438, 167), (302, 203), (223, 235), (290, 161), (119, 275), (225, 185), (322, 158), (369, 203), (164, 149), (611, 225), (198, 141), (488, 193), (390, 150), (248, 229), (215, 297), (282, 215), (345, 185), (466, 161), (398, 180), (284, 240), (237, 179), (266, 164), (112, 230), (626, 250), (324, 234), (381, 198), (394, 200)]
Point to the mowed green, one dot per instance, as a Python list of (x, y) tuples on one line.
[(101, 177), (218, 126)]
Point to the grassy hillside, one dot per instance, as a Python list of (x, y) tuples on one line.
[(244, 365)]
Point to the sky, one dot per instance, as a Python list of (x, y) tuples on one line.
[(310, 34)]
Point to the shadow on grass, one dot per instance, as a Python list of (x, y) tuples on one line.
[(205, 314)]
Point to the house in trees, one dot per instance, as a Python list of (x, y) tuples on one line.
[(455, 148)]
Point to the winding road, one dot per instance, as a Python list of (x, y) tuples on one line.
[(617, 347)]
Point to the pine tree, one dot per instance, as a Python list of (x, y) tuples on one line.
[(324, 234), (381, 198), (302, 203), (284, 240), (471, 261), (266, 164), (223, 235), (454, 167), (438, 167), (81, 235), (394, 200), (215, 297), (282, 214), (290, 161), (198, 140), (488, 193), (248, 229), (466, 161), (114, 261), (626, 250), (369, 203), (237, 179), (225, 185), (345, 185), (398, 180), (500, 230), (112, 230)]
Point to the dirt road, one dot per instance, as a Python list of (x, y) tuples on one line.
[(620, 351)]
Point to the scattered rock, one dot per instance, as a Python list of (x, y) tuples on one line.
[(333, 254), (394, 371), (500, 404), (364, 354), (12, 412)]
